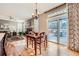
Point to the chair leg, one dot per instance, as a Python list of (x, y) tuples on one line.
[(32, 44), (44, 44), (30, 40), (27, 42), (40, 48)]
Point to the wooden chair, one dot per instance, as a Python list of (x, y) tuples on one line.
[(41, 38), (14, 33), (44, 39)]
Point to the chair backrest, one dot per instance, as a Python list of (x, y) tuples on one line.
[(36, 33), (8, 35), (42, 34), (14, 33)]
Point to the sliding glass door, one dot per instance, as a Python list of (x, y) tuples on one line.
[(58, 30)]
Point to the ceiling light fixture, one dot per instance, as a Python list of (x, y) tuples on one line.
[(35, 14)]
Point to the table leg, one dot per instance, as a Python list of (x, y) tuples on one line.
[(35, 47), (27, 42)]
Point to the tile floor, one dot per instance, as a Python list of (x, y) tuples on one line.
[(52, 50)]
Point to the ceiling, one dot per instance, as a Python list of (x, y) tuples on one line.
[(24, 10)]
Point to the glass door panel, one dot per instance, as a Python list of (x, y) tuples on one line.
[(52, 31), (63, 31)]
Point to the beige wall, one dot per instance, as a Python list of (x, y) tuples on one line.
[(43, 23)]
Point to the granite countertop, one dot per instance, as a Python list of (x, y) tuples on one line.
[(1, 36)]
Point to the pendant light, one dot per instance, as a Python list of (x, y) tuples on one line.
[(35, 14)]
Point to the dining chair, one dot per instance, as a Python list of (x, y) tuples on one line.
[(41, 39), (44, 39), (14, 33)]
